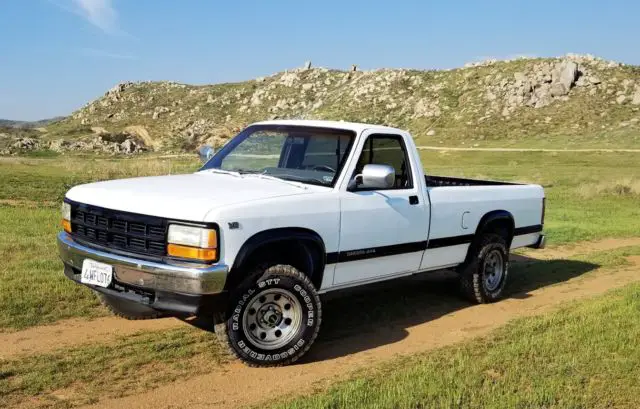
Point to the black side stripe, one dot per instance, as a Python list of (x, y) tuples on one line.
[(519, 231), (395, 249), (372, 252), (450, 241)]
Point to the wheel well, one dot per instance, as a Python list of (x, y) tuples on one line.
[(300, 248), (499, 222)]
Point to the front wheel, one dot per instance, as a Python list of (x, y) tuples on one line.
[(274, 317), (484, 275)]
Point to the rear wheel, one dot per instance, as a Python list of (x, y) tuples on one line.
[(274, 318), (483, 275), (128, 309)]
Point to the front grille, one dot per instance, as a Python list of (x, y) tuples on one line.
[(124, 231)]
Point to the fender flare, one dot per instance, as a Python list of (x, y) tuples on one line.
[(502, 216), (309, 239)]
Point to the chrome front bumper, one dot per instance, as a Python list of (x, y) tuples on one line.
[(147, 274)]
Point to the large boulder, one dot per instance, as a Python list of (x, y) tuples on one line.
[(26, 143), (566, 74)]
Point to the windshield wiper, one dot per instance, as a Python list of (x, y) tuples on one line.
[(222, 172), (269, 177), (314, 181)]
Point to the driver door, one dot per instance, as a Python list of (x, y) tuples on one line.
[(383, 232)]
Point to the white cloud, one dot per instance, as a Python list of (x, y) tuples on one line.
[(94, 52), (100, 13)]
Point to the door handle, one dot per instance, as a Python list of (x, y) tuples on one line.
[(413, 200)]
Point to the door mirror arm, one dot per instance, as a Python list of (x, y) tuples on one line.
[(354, 183)]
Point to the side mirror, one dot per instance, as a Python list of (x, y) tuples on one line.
[(375, 177), (206, 152)]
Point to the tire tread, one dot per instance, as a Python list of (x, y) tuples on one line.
[(470, 280), (221, 329)]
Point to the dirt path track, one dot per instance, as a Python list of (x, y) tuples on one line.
[(426, 314), (435, 325), (74, 332), (238, 385)]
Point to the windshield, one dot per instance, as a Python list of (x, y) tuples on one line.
[(297, 153)]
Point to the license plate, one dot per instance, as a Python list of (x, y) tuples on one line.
[(96, 273)]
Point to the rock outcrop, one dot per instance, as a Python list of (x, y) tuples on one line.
[(484, 100)]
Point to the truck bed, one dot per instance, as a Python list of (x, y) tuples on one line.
[(437, 181)]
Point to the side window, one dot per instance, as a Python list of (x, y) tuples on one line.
[(387, 150)]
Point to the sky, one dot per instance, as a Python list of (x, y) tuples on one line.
[(57, 55)]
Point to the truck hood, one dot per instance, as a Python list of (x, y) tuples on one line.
[(186, 197)]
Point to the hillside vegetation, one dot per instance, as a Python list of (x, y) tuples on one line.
[(576, 100), (8, 123)]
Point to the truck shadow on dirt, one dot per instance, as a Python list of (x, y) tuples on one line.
[(375, 315)]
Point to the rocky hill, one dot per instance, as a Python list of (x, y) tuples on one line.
[(576, 100)]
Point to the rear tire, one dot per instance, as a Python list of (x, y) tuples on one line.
[(483, 275), (128, 309), (274, 317)]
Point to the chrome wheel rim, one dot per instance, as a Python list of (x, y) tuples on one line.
[(272, 318), (493, 270)]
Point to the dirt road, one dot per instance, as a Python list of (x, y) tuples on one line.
[(411, 316)]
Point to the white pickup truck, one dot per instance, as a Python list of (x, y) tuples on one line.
[(285, 211)]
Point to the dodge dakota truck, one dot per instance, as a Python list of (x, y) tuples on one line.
[(285, 211)]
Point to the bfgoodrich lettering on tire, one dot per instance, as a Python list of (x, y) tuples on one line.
[(274, 317), (484, 275)]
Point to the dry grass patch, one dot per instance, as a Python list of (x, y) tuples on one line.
[(628, 186)]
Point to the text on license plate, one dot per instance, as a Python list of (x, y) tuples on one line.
[(96, 273)]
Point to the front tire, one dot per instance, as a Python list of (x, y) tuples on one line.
[(274, 317), (483, 275)]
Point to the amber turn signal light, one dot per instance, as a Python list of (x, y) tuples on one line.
[(66, 225), (176, 250)]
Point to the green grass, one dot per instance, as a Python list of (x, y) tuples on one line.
[(33, 289), (44, 181), (583, 356), (122, 367), (399, 304), (68, 377), (590, 196)]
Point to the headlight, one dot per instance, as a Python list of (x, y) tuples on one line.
[(66, 217), (192, 242), (66, 211)]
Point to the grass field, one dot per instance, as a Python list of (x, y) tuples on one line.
[(583, 356), (32, 288), (128, 365), (67, 378), (589, 196), (540, 362)]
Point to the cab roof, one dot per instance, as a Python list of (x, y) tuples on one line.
[(350, 126)]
